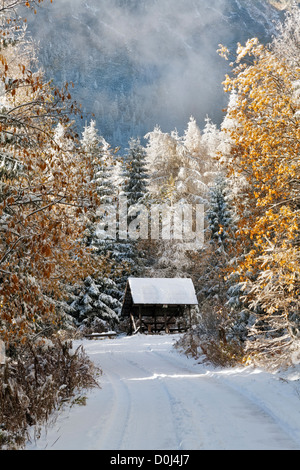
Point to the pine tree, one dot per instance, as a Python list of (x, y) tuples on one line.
[(100, 155), (96, 305), (222, 325), (135, 174), (135, 192), (192, 139), (220, 229), (220, 217), (164, 160), (99, 297)]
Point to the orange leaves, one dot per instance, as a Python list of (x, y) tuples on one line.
[(43, 195), (265, 150), (42, 165)]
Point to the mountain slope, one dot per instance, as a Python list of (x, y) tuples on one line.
[(138, 63)]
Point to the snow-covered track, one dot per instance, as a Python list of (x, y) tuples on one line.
[(153, 398)]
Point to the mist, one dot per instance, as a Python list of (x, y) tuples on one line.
[(140, 63)]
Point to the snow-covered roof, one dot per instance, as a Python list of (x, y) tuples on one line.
[(162, 291)]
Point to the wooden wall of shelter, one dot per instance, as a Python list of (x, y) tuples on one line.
[(156, 305)]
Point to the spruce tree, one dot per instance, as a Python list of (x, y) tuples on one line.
[(220, 217), (97, 150), (135, 193), (213, 286), (135, 174), (98, 301), (223, 290)]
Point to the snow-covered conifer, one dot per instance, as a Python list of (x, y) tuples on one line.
[(220, 215), (134, 191), (135, 174), (99, 152), (192, 139), (164, 159), (99, 297)]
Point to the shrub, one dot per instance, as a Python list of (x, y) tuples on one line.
[(35, 382)]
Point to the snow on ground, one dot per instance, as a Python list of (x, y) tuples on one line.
[(154, 398)]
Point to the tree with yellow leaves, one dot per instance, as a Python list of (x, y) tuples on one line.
[(265, 152)]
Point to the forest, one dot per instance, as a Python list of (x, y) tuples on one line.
[(63, 275)]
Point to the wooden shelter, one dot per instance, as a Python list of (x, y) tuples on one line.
[(159, 304)]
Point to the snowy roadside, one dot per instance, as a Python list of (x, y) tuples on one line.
[(154, 398)]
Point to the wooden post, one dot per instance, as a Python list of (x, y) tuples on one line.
[(132, 323), (167, 329), (140, 318)]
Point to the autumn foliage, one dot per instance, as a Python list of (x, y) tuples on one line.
[(265, 157), (44, 190)]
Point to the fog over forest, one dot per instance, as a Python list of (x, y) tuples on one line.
[(138, 63)]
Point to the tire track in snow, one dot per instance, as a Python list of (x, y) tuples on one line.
[(151, 405), (124, 429), (205, 423), (252, 402), (114, 428), (190, 419), (152, 398), (230, 415), (189, 433), (186, 432), (291, 432)]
